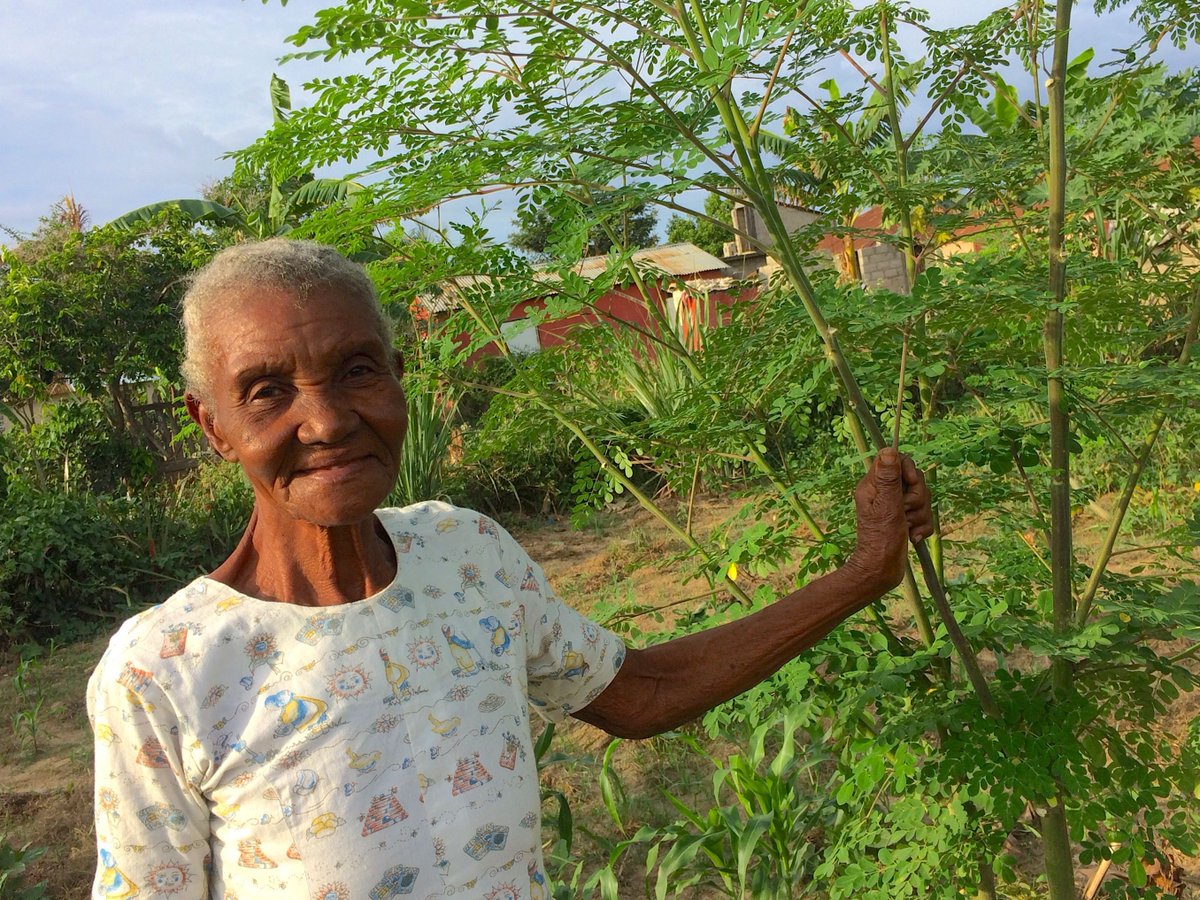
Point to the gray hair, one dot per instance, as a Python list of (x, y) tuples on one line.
[(297, 268)]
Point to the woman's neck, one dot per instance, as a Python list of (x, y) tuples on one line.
[(290, 561)]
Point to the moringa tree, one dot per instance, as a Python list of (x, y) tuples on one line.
[(947, 735)]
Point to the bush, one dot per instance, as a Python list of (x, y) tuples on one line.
[(513, 460), (71, 563), (63, 561), (76, 448)]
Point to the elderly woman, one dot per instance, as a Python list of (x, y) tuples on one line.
[(341, 709)]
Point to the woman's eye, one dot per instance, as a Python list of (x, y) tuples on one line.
[(360, 371), (265, 392)]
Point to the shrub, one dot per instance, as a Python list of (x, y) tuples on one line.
[(513, 460), (62, 562), (71, 562), (76, 447)]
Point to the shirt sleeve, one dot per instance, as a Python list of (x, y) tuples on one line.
[(570, 659), (152, 825)]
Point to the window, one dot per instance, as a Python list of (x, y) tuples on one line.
[(521, 336)]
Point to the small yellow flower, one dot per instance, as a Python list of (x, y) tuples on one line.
[(732, 573), (1196, 487)]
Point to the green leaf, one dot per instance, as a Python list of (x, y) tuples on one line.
[(196, 210), (1137, 872)]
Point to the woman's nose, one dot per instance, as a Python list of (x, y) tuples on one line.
[(324, 418)]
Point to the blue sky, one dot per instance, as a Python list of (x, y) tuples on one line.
[(123, 103)]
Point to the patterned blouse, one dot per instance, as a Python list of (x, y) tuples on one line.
[(383, 748)]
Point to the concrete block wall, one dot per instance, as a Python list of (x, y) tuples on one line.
[(746, 219), (883, 267)]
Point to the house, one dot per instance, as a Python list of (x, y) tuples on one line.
[(688, 286), (692, 287), (880, 262)]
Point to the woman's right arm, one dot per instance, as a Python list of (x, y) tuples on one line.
[(152, 826)]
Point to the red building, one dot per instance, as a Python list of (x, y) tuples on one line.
[(688, 286)]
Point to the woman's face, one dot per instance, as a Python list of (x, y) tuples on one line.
[(308, 401)]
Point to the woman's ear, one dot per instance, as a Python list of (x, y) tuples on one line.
[(398, 363), (198, 410)]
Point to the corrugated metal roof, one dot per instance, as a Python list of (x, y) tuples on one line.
[(447, 298), (676, 260)]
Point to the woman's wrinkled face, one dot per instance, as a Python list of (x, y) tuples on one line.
[(307, 399)]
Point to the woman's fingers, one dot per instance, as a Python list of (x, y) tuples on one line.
[(918, 502)]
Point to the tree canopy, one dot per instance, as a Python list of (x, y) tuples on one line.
[(95, 307), (709, 233), (547, 230)]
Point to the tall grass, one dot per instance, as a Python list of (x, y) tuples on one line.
[(431, 417)]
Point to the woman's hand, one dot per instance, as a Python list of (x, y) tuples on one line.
[(893, 506)]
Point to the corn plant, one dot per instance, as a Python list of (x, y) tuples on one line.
[(756, 840), (27, 720), (13, 863)]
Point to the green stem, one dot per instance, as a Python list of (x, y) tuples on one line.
[(614, 471), (1060, 455), (653, 508), (1056, 843), (671, 341), (764, 201), (1056, 848), (900, 148), (907, 245), (1033, 14)]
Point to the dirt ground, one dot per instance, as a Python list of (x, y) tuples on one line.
[(623, 556)]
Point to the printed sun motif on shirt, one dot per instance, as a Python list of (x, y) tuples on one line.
[(423, 653), (349, 683), (378, 750), (167, 878)]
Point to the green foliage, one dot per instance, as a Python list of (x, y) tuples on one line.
[(72, 562), (13, 863), (928, 774), (513, 459), (95, 308), (758, 839), (542, 230), (431, 428), (76, 447), (63, 560), (26, 681)]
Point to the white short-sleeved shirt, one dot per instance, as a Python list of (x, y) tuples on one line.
[(379, 749)]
